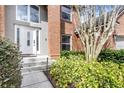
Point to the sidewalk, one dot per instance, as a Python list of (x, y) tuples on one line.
[(36, 79)]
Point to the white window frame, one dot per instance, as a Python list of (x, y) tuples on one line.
[(17, 14), (67, 13), (118, 48), (67, 43), (28, 14)]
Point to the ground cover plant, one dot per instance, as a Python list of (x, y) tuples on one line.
[(71, 70)]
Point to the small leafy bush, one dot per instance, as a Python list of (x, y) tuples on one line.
[(116, 56), (10, 57), (77, 73), (69, 54), (112, 55)]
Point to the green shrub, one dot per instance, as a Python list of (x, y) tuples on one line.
[(69, 54), (75, 72), (112, 55), (10, 75), (105, 55)]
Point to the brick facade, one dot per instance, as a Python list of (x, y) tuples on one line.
[(120, 25), (68, 28), (54, 30), (2, 20), (110, 43), (119, 30), (57, 27)]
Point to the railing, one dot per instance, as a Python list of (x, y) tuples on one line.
[(47, 67), (47, 64)]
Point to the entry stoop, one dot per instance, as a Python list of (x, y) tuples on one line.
[(32, 72), (31, 64)]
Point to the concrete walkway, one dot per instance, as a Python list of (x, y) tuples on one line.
[(35, 79)]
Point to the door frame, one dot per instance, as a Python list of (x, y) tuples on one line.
[(35, 29)]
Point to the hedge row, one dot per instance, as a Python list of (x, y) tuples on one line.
[(69, 54), (105, 55), (112, 55)]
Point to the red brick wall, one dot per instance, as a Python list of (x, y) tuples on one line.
[(57, 27), (119, 30), (54, 30), (110, 43), (120, 26), (2, 20), (68, 28)]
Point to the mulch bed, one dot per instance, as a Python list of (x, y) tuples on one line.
[(53, 82)]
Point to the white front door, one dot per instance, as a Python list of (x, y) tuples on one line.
[(26, 38)]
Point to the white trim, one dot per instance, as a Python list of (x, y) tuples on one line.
[(71, 42), (28, 14)]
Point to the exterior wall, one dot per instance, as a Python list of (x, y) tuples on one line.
[(119, 30), (10, 20), (120, 26), (52, 27), (44, 39), (68, 28), (54, 30), (44, 30), (10, 17), (2, 20), (110, 43), (10, 14)]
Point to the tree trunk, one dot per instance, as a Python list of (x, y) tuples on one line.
[(95, 25)]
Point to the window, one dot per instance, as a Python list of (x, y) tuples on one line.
[(18, 36), (37, 40), (22, 13), (66, 12), (119, 42), (30, 13), (66, 42), (28, 38), (34, 12)]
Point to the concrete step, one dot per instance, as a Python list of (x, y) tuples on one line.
[(36, 57), (30, 64), (34, 68), (34, 60)]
